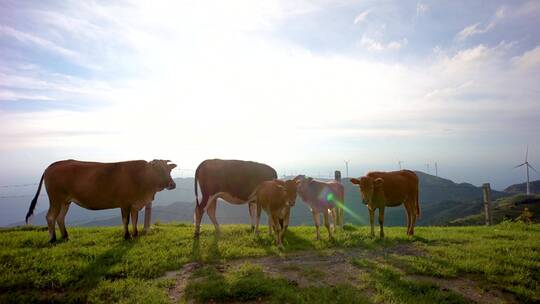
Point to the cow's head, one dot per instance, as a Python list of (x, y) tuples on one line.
[(303, 183), (163, 170), (291, 187), (369, 187)]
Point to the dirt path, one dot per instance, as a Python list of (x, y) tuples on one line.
[(333, 267)]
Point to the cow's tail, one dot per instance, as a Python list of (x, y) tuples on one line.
[(195, 183), (34, 201)]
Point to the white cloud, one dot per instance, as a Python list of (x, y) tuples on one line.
[(529, 60), (361, 17), (474, 29), (37, 41), (374, 45), (10, 95), (477, 29)]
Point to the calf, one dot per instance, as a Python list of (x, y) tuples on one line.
[(322, 197), (389, 189), (126, 185), (276, 197)]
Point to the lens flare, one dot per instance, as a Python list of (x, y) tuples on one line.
[(331, 198)]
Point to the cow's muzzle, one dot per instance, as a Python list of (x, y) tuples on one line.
[(171, 185)]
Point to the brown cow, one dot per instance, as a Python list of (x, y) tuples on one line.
[(276, 197), (231, 180), (126, 185), (322, 197), (389, 189)]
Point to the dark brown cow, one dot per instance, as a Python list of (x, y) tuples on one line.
[(389, 189), (322, 197), (126, 185), (231, 180), (276, 197)]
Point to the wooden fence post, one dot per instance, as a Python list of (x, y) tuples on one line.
[(339, 210), (147, 217), (486, 189)]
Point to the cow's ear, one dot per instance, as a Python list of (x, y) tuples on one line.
[(379, 181), (355, 181), (172, 166)]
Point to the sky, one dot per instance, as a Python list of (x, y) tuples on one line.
[(300, 85)]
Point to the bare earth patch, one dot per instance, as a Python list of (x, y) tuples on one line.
[(469, 289), (177, 292), (334, 267)]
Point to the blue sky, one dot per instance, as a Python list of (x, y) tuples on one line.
[(300, 85)]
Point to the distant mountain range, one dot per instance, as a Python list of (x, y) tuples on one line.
[(522, 188), (441, 201)]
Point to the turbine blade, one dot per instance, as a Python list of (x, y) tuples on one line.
[(519, 165), (533, 169), (527, 153)]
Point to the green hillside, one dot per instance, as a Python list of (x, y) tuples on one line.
[(508, 208), (439, 265)]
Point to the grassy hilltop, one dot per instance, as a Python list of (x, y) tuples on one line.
[(440, 264)]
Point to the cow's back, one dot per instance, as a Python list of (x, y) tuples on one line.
[(236, 177), (398, 185)]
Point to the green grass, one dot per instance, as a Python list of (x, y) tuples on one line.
[(98, 266)]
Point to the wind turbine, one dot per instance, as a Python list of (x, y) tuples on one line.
[(527, 166), (399, 163)]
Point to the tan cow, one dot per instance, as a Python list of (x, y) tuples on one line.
[(322, 197), (126, 185), (231, 180), (275, 197), (389, 189)]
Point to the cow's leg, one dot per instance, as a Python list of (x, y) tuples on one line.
[(61, 220), (316, 220), (258, 218), (252, 215), (198, 214), (371, 221), (134, 219), (286, 219), (381, 221), (52, 214), (327, 224), (270, 224), (413, 222), (335, 217), (408, 214), (125, 221), (411, 211), (277, 228), (211, 210)]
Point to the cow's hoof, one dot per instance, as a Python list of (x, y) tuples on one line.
[(52, 241), (196, 235), (127, 237)]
